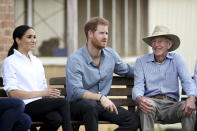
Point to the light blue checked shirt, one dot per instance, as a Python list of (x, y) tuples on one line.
[(151, 77), (82, 75), (195, 74)]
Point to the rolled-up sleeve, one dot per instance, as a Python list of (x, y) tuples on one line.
[(139, 80), (122, 68), (74, 85), (195, 74), (9, 76)]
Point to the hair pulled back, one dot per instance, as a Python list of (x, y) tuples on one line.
[(19, 32)]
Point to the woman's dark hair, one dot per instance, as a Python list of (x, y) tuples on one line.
[(18, 33)]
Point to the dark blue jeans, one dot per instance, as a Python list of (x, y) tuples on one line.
[(12, 116), (90, 112)]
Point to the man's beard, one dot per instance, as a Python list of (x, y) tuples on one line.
[(98, 44)]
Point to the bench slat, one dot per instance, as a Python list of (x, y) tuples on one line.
[(2, 92), (120, 92), (38, 123), (81, 122), (1, 82), (57, 81), (113, 91), (117, 80), (123, 102)]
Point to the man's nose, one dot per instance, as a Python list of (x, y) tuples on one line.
[(106, 36)]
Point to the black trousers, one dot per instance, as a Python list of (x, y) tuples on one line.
[(53, 111), (90, 111)]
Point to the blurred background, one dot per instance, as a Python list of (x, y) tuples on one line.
[(59, 29)]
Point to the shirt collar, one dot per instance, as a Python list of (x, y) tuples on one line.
[(20, 54), (17, 53), (151, 57), (87, 56)]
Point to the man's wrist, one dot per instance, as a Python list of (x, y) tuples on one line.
[(138, 99), (100, 98), (193, 97)]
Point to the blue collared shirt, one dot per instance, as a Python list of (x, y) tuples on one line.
[(195, 73), (82, 75), (151, 77)]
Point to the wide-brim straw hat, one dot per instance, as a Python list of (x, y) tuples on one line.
[(163, 31)]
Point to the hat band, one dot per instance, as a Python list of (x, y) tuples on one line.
[(159, 33)]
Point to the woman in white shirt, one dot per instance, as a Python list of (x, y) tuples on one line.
[(24, 78)]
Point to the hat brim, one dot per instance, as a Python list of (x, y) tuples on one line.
[(174, 38)]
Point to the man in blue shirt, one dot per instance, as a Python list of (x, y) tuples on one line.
[(195, 80), (89, 73), (156, 86)]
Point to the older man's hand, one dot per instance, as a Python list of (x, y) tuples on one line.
[(144, 104), (189, 106)]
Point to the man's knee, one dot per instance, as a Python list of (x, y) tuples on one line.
[(153, 112), (148, 116), (89, 106), (133, 121)]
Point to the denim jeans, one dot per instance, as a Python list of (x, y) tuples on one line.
[(12, 116)]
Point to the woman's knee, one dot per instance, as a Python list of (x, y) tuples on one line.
[(54, 118), (63, 102)]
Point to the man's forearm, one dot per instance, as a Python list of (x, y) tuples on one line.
[(92, 96)]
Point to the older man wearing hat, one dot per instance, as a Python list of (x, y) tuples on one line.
[(156, 86)]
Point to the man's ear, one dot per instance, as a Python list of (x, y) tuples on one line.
[(170, 44), (90, 34)]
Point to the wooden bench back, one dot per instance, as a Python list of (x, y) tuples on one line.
[(2, 92), (119, 95)]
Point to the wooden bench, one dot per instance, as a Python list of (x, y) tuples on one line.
[(119, 95)]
